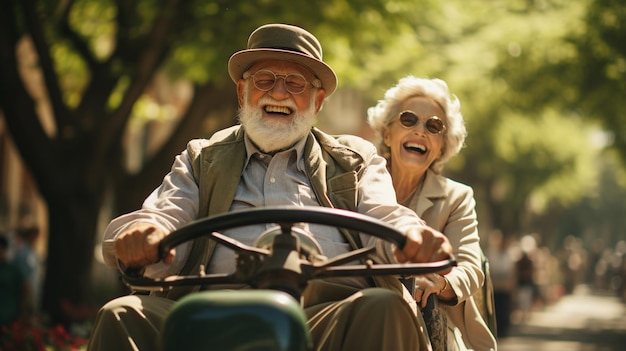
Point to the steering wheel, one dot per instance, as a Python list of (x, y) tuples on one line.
[(262, 267)]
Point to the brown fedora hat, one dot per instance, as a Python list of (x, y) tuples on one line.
[(283, 42)]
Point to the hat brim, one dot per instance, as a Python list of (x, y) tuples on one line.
[(240, 61)]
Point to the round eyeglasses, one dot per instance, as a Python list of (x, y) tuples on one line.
[(434, 125), (295, 83)]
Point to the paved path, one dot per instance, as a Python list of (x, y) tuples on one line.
[(579, 322)]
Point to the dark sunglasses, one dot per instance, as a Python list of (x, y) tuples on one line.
[(434, 124)]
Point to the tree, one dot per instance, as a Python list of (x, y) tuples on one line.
[(514, 74), (577, 71), (582, 70), (75, 164), (601, 66), (98, 59)]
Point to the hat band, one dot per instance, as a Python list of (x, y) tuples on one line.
[(287, 49)]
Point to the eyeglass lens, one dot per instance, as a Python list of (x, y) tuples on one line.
[(265, 80), (433, 124)]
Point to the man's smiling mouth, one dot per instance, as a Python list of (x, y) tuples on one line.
[(283, 110)]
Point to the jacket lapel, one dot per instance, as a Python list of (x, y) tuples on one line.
[(432, 189)]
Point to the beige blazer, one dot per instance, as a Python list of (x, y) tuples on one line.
[(449, 207)]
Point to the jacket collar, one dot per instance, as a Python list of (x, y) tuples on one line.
[(432, 189)]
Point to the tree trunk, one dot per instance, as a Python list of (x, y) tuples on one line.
[(72, 227)]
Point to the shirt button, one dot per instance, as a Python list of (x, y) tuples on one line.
[(272, 180)]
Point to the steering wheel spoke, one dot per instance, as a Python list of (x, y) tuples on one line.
[(345, 258), (238, 246), (402, 270)]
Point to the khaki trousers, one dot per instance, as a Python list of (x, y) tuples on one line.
[(339, 318)]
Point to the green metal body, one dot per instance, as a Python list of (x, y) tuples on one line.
[(237, 320)]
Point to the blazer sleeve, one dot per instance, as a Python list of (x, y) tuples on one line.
[(453, 212)]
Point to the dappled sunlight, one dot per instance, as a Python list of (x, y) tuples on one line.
[(93, 93)]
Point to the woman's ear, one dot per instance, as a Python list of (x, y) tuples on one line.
[(387, 137)]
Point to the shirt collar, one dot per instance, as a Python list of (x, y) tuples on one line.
[(298, 148)]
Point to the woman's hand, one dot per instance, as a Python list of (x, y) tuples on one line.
[(426, 285)]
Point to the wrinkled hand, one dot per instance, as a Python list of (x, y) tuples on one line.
[(424, 244), (426, 285), (139, 246)]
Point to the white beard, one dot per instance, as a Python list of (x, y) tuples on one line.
[(274, 135)]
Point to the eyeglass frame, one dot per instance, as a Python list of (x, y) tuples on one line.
[(316, 83), (417, 122)]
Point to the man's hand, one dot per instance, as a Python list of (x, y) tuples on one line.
[(139, 246), (424, 244)]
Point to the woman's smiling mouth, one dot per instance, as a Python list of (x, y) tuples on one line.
[(415, 147)]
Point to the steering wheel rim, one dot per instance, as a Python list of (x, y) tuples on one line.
[(283, 214)]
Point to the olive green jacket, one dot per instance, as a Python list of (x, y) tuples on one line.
[(333, 165)]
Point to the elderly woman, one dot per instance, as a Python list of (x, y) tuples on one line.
[(420, 128)]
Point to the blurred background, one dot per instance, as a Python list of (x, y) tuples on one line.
[(98, 96)]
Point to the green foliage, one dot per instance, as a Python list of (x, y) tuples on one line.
[(95, 21), (599, 216), (73, 73), (602, 67), (549, 157)]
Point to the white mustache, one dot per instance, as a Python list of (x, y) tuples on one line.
[(267, 100)]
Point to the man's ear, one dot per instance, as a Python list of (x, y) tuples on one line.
[(241, 85), (320, 95)]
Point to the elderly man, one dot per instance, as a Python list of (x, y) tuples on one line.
[(275, 157)]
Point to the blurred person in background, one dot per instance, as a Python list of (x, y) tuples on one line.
[(619, 280), (420, 127), (29, 263), (503, 275), (525, 275), (13, 287)]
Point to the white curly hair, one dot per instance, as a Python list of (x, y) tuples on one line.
[(384, 113)]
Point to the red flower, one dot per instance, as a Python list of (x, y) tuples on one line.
[(22, 337)]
